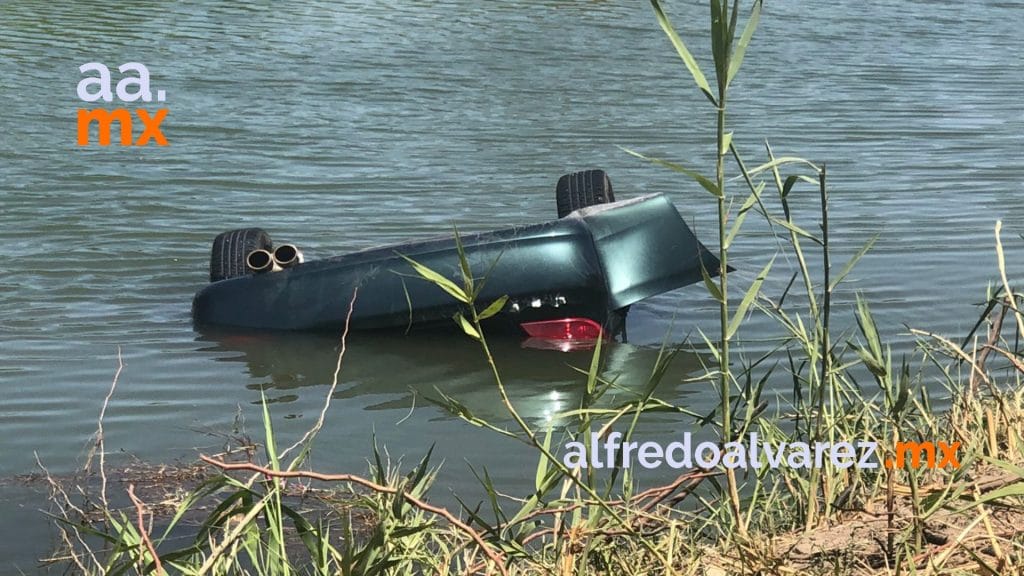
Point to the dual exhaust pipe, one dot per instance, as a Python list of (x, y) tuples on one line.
[(284, 256)]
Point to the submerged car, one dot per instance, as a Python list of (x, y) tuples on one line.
[(573, 278)]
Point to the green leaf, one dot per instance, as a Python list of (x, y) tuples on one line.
[(542, 463), (595, 367), (748, 299), (437, 279), (684, 52), (492, 495), (866, 323), (713, 288), (732, 22), (201, 491), (726, 143), (754, 198), (379, 470), (1016, 489), (853, 262), (869, 361), (1007, 466), (741, 48), (467, 274), (408, 304), (784, 160), (775, 169), (467, 327), (306, 532), (788, 186), (398, 504), (479, 286), (796, 230), (755, 189), (416, 484), (720, 39), (268, 431), (704, 181), (712, 347), (493, 309), (460, 410), (527, 507)]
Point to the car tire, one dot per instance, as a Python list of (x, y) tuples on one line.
[(230, 249), (582, 189)]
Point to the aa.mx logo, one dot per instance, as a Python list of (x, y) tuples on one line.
[(129, 89)]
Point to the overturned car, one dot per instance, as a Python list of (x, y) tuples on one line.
[(568, 279)]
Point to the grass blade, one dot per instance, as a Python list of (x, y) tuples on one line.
[(853, 261), (268, 431), (754, 198), (493, 309), (683, 51), (741, 47), (704, 181), (782, 161), (719, 39), (467, 326), (713, 288), (796, 229), (437, 279), (748, 299)]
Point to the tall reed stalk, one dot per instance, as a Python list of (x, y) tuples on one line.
[(727, 54)]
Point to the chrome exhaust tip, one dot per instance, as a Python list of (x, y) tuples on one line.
[(287, 255), (260, 261)]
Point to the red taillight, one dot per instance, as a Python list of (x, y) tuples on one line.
[(564, 329)]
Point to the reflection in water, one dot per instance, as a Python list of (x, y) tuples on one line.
[(404, 370)]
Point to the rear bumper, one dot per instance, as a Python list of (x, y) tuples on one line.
[(644, 248)]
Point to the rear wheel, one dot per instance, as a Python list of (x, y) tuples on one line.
[(582, 189), (230, 250)]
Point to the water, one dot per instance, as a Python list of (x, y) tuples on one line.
[(343, 126)]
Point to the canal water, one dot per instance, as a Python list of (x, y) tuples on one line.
[(342, 125)]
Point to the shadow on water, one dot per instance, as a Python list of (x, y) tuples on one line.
[(397, 372)]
